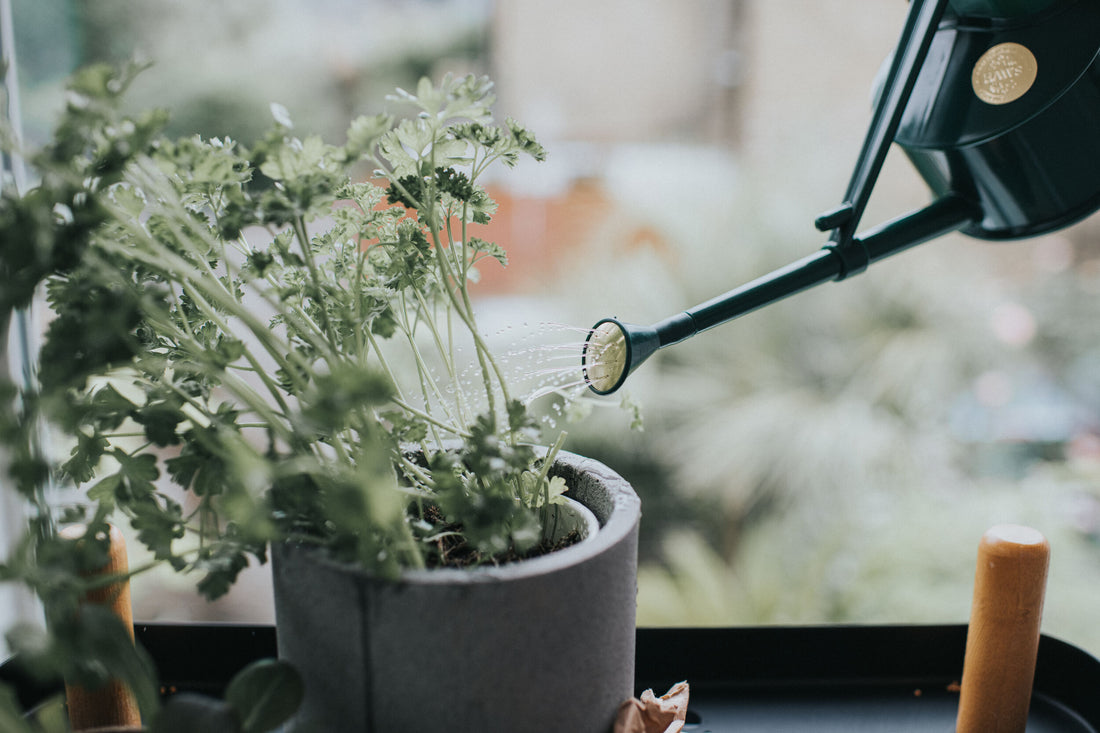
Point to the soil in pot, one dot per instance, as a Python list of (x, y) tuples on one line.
[(571, 523)]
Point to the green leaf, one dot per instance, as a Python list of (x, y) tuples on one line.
[(299, 158), (93, 330), (257, 263), (519, 420), (223, 562), (93, 81), (367, 195), (129, 199), (106, 490), (226, 351), (453, 183), (333, 399), (160, 421), (492, 249), (525, 140), (265, 694), (199, 467), (141, 468), (85, 457), (158, 524), (106, 410), (11, 715), (558, 487), (365, 132), (468, 98)]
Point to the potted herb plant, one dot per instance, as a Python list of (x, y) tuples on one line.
[(278, 347)]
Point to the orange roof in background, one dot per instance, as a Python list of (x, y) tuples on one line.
[(540, 234), (544, 235)]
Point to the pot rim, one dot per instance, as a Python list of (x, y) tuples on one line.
[(586, 515), (618, 518)]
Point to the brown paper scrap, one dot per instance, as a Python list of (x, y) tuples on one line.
[(652, 714)]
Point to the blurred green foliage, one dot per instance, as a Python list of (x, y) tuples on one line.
[(836, 457), (219, 65)]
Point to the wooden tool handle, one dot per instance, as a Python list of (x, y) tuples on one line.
[(113, 704), (1002, 641)]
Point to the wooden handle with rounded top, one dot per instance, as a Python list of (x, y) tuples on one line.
[(113, 704), (1002, 641)]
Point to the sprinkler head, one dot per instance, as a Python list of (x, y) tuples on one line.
[(613, 350)]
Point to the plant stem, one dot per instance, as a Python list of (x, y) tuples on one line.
[(544, 471), (463, 308), (446, 351), (307, 252)]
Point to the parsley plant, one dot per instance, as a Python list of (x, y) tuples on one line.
[(266, 343)]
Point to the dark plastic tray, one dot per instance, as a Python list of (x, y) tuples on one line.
[(901, 679), (743, 680)]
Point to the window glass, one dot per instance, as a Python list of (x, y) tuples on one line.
[(834, 458)]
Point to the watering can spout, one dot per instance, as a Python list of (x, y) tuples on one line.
[(614, 349)]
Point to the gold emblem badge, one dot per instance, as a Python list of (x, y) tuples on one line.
[(1004, 73)]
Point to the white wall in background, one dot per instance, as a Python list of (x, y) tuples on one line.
[(617, 70)]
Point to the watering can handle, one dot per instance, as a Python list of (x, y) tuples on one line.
[(916, 38)]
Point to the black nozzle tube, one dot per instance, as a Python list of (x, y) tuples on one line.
[(829, 263), (942, 216), (817, 268), (617, 348)]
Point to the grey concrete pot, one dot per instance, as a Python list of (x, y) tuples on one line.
[(541, 646)]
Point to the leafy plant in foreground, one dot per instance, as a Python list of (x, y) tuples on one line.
[(251, 345)]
